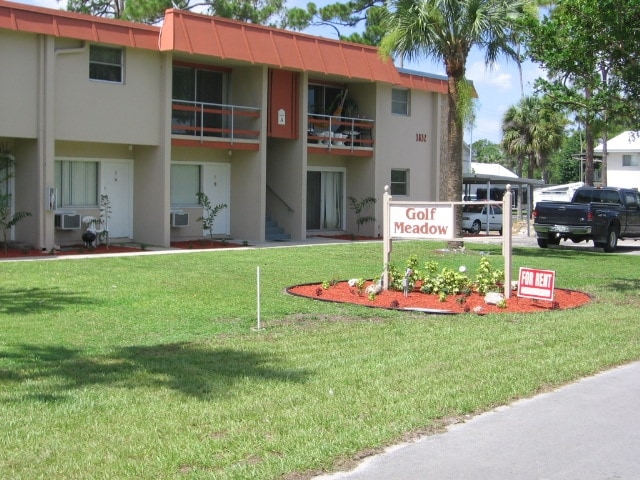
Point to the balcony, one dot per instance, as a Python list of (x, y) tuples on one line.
[(340, 135), (215, 125)]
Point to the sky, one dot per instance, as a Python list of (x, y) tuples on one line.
[(498, 87)]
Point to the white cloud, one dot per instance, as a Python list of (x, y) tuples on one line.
[(493, 77)]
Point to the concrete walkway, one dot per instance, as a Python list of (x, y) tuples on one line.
[(589, 430)]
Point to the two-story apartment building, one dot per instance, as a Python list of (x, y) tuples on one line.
[(274, 124)]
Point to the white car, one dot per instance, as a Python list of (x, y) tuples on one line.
[(475, 218)]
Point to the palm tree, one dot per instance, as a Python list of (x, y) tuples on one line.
[(516, 135), (532, 130), (447, 30)]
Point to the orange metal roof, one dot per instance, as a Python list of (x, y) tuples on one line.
[(60, 23), (221, 38), (229, 39)]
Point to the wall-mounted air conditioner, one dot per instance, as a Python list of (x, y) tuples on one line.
[(67, 221), (179, 219)]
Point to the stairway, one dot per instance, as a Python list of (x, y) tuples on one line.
[(274, 233)]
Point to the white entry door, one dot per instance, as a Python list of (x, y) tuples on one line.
[(116, 181), (216, 185)]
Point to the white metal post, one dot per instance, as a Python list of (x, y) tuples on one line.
[(506, 240), (386, 237)]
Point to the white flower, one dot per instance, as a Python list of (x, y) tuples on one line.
[(462, 269)]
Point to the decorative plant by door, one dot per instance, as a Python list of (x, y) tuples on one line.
[(210, 213)]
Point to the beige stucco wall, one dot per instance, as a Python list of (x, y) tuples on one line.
[(28, 178), (19, 84), (96, 111), (247, 196), (397, 145)]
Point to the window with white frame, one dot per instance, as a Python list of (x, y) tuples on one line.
[(400, 101), (76, 183), (631, 160), (106, 64), (399, 182), (185, 184)]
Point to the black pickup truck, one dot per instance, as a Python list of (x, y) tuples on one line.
[(601, 214)]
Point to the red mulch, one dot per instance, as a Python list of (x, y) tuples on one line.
[(342, 292), (101, 249)]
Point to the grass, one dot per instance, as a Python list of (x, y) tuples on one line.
[(148, 367)]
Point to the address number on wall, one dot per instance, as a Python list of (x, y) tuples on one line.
[(421, 137)]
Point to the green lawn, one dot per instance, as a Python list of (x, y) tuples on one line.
[(148, 368)]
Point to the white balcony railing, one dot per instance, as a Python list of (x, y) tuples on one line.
[(344, 133), (213, 120)]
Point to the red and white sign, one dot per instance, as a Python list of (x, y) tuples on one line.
[(538, 284), (418, 221)]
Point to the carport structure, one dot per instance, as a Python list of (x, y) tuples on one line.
[(496, 181)]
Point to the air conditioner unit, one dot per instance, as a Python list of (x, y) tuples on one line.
[(179, 219), (67, 221)]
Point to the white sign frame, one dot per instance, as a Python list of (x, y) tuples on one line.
[(441, 215), (411, 220)]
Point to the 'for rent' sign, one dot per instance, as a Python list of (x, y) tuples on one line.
[(421, 221), (536, 284)]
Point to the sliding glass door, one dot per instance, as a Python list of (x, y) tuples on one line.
[(325, 200)]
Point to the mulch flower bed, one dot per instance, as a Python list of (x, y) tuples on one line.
[(474, 303), (113, 248)]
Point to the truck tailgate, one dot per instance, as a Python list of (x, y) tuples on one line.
[(561, 213)]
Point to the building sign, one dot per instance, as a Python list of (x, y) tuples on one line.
[(422, 220), (536, 284)]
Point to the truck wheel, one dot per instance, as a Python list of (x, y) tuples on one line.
[(612, 240), (475, 228), (543, 242)]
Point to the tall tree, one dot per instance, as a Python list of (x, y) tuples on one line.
[(447, 30), (531, 131), (485, 151), (264, 12), (588, 48)]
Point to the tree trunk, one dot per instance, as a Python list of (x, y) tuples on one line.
[(588, 133), (452, 165), (588, 174)]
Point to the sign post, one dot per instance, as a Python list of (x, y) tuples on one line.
[(506, 240), (386, 239)]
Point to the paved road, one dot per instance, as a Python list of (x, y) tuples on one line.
[(629, 247), (589, 430)]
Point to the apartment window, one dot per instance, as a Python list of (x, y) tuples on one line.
[(105, 64), (185, 184), (400, 101), (400, 182), (631, 160), (77, 183)]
